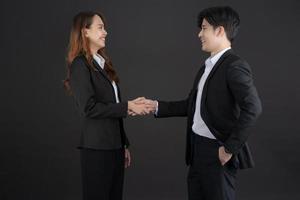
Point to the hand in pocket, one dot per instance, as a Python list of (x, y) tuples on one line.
[(223, 156)]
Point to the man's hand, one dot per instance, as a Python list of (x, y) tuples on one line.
[(127, 158), (141, 106), (223, 156), (152, 104), (137, 108)]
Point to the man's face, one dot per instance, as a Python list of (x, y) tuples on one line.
[(209, 37)]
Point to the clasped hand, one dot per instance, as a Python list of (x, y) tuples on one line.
[(141, 106)]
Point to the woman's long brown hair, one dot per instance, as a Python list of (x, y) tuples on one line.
[(79, 45)]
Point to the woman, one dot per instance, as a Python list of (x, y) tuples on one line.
[(93, 82)]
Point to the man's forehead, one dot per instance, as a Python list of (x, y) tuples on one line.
[(205, 23)]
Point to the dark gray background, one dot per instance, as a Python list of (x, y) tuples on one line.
[(155, 49)]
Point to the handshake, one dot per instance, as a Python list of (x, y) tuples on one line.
[(141, 106)]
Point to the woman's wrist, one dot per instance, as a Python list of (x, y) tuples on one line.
[(130, 105)]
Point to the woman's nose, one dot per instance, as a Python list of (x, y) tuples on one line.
[(105, 32)]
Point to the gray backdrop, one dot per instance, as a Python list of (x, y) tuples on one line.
[(155, 49)]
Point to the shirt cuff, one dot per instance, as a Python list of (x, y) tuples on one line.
[(156, 109)]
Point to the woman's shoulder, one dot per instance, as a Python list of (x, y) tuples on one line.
[(80, 62), (80, 59)]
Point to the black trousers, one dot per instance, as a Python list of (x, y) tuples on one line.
[(207, 178), (102, 174)]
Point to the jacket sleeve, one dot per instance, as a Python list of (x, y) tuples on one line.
[(178, 108), (239, 77), (125, 140), (84, 94), (173, 108)]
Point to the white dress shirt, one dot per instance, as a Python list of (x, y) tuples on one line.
[(199, 127), (101, 61)]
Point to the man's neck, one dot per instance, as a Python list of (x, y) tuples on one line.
[(221, 48)]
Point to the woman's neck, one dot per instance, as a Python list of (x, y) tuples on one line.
[(94, 50)]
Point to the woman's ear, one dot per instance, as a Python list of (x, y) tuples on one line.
[(84, 32)]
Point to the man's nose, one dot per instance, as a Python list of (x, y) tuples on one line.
[(200, 34)]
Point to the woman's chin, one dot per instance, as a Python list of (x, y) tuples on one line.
[(102, 46)]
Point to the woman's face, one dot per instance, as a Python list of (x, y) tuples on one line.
[(96, 33)]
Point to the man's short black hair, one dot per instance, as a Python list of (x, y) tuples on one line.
[(221, 16)]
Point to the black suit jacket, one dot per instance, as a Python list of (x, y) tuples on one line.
[(229, 107), (102, 123)]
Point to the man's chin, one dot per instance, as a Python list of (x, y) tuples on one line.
[(204, 49)]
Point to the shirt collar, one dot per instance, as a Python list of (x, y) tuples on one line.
[(99, 59), (214, 59)]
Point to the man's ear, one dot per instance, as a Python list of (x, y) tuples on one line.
[(220, 31)]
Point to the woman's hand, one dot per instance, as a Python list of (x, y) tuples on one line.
[(139, 107), (127, 158)]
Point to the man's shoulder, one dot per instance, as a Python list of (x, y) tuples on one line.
[(234, 59)]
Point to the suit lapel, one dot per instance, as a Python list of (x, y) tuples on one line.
[(119, 92), (198, 76), (221, 59), (102, 71), (195, 90), (104, 74), (216, 66)]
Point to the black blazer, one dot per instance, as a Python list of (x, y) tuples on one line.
[(102, 123), (230, 105)]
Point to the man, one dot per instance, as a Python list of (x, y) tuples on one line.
[(221, 107)]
